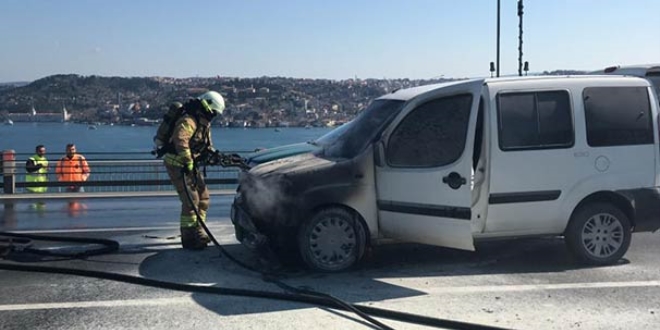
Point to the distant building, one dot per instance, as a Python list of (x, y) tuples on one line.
[(34, 116), (263, 91)]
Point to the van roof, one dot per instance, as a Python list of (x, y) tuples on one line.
[(409, 93)]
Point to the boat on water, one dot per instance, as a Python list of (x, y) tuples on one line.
[(146, 122), (92, 127), (9, 122)]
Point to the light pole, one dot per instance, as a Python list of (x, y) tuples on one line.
[(520, 37), (497, 68)]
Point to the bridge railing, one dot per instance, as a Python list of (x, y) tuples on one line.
[(110, 175)]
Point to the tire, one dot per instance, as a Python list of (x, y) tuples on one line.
[(598, 234), (333, 240)]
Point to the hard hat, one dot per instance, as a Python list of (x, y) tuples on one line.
[(212, 102)]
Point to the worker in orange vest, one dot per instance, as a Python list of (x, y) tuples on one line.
[(72, 168)]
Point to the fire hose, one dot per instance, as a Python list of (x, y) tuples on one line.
[(21, 243)]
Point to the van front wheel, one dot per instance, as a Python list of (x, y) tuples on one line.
[(333, 240), (598, 234)]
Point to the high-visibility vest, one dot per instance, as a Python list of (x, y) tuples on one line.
[(41, 175), (73, 169)]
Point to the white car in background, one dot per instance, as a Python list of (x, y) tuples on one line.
[(648, 71)]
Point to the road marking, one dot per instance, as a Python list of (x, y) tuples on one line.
[(96, 304), (542, 287), (465, 289)]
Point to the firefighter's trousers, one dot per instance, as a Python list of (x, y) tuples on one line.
[(198, 191)]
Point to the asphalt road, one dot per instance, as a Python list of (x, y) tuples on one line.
[(523, 284)]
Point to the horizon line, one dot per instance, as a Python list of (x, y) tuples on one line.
[(438, 77)]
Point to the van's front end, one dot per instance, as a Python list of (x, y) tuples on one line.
[(276, 199), (279, 152)]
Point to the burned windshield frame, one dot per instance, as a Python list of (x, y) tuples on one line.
[(354, 136), (331, 136)]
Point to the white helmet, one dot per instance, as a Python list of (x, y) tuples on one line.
[(212, 102)]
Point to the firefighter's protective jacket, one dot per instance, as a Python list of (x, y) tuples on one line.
[(190, 137)]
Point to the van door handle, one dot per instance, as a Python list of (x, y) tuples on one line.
[(454, 180)]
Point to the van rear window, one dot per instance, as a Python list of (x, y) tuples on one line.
[(617, 116)]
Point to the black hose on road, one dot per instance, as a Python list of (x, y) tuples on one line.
[(300, 298), (298, 295), (328, 300), (271, 277), (108, 246), (295, 295)]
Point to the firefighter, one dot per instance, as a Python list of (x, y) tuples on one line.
[(190, 141), (37, 169)]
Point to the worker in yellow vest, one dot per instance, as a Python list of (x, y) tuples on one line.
[(37, 170)]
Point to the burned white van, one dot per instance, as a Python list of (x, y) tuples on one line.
[(453, 163)]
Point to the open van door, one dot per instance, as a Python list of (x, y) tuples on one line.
[(424, 166)]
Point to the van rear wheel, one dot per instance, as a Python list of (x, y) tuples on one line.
[(598, 234), (333, 240)]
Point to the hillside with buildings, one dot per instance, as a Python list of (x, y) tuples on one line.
[(251, 102)]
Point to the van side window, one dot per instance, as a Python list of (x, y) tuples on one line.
[(535, 120), (617, 116), (433, 134)]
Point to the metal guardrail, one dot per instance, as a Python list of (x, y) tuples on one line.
[(124, 175)]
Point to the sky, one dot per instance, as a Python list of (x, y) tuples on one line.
[(338, 39)]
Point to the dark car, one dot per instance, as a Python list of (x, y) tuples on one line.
[(271, 154)]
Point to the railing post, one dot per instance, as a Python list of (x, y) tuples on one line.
[(8, 171)]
